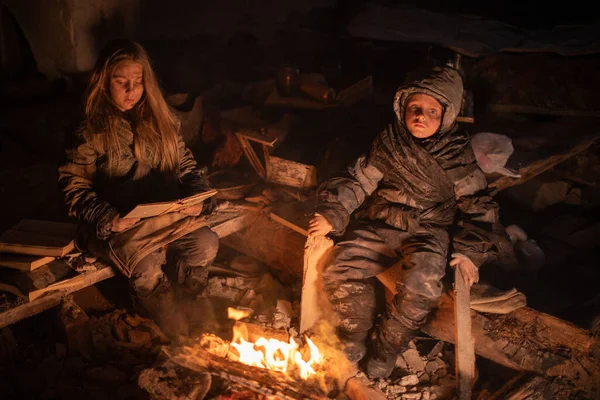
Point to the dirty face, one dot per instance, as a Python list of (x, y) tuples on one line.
[(422, 115), (127, 85)]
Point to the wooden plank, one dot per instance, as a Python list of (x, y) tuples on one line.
[(537, 167), (295, 215), (39, 238), (291, 173), (465, 353), (51, 299), (267, 136), (24, 262), (252, 157), (31, 285), (316, 253)]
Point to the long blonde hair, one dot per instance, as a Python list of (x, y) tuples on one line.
[(156, 126)]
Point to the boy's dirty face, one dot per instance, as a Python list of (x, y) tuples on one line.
[(422, 115), (127, 85)]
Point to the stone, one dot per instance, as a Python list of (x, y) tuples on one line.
[(396, 389), (400, 363), (411, 396), (409, 380), (414, 360)]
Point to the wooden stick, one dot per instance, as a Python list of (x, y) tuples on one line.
[(465, 353)]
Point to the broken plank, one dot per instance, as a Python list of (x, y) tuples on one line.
[(31, 285), (465, 354), (24, 262), (550, 346), (316, 254), (52, 299)]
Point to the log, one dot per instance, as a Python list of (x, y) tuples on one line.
[(265, 382), (525, 340)]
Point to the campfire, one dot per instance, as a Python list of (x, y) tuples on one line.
[(265, 360), (271, 353)]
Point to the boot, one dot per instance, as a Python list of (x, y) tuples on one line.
[(161, 306), (387, 341)]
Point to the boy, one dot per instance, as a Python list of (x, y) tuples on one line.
[(421, 196)]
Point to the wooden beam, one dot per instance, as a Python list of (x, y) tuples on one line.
[(535, 168), (525, 340)]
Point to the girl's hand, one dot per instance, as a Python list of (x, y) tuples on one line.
[(468, 270), (120, 224), (192, 211), (319, 226)]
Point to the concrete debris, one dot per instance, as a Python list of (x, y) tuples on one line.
[(435, 351), (282, 317), (409, 380), (414, 360), (412, 396)]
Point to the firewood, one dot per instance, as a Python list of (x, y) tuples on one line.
[(266, 382)]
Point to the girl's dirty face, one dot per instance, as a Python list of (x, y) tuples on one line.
[(127, 85), (422, 115)]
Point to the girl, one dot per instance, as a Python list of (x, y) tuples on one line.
[(128, 151)]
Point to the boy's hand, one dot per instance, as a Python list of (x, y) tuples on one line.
[(319, 226), (469, 271), (120, 224), (192, 211)]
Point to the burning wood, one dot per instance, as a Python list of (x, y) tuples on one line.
[(264, 361)]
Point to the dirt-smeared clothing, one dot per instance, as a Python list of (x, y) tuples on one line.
[(97, 190), (416, 200)]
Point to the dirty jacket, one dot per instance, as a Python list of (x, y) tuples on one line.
[(410, 183), (96, 192)]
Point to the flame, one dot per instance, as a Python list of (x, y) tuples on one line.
[(275, 354), (235, 314)]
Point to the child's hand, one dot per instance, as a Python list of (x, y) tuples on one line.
[(192, 211), (319, 226), (120, 224), (469, 271)]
